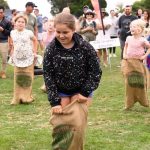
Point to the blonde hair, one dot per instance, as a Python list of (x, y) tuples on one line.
[(140, 23), (65, 18), (21, 16)]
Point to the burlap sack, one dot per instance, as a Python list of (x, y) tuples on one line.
[(136, 82), (23, 78), (69, 127)]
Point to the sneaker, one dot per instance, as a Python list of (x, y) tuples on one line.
[(105, 65), (114, 55), (119, 66), (43, 88)]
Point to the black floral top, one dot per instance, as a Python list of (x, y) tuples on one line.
[(74, 70)]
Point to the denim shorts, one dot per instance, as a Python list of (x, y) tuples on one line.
[(67, 95)]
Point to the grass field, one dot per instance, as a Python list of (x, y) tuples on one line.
[(26, 127)]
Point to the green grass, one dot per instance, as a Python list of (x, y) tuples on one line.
[(26, 127)]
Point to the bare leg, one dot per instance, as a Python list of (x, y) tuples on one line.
[(65, 101), (105, 56)]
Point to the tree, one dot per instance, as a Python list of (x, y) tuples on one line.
[(143, 4), (4, 3), (76, 6), (103, 3)]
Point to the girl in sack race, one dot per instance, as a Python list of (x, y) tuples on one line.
[(71, 73), (23, 54), (135, 72)]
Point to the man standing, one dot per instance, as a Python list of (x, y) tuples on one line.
[(5, 28), (40, 27), (32, 21), (124, 26)]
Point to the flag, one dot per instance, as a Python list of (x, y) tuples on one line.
[(95, 4), (97, 8)]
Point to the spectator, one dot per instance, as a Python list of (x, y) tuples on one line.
[(5, 28), (113, 32), (124, 26), (139, 13), (14, 13), (107, 24), (32, 21), (40, 28), (146, 18), (88, 28)]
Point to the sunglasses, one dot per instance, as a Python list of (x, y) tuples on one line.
[(89, 14)]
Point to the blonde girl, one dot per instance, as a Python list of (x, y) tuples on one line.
[(135, 72)]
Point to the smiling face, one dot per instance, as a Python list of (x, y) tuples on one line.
[(89, 16), (64, 34), (135, 29), (128, 10), (20, 23)]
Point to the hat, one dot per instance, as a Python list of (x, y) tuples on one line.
[(103, 10), (86, 6), (30, 4), (89, 11)]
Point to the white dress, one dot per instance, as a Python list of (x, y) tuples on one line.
[(23, 55)]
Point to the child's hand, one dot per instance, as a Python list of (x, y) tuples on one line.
[(56, 109), (124, 56), (89, 28), (82, 99), (142, 57)]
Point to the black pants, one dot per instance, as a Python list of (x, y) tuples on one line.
[(112, 49)]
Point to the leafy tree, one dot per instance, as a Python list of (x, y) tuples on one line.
[(143, 4), (103, 3), (76, 6), (4, 3)]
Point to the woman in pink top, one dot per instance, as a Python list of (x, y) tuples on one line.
[(134, 71)]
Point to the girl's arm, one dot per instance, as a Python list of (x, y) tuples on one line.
[(125, 51), (10, 42), (146, 54), (35, 45), (147, 45)]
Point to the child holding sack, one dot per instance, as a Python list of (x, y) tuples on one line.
[(134, 71), (71, 72), (23, 53)]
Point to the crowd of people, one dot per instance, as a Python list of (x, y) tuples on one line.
[(71, 66)]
